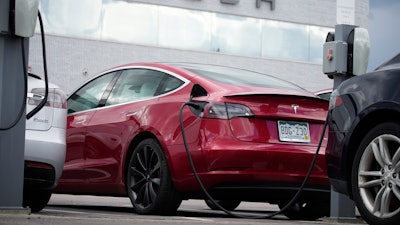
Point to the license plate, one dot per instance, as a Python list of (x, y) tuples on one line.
[(293, 131)]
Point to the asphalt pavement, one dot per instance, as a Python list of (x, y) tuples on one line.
[(93, 210)]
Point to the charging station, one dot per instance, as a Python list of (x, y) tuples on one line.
[(345, 55), (17, 23)]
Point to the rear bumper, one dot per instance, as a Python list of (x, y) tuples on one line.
[(45, 152), (39, 176), (248, 154), (251, 165)]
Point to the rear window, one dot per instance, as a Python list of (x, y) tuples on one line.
[(240, 77)]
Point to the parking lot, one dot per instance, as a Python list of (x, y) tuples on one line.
[(71, 209)]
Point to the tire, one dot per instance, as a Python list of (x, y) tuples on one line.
[(149, 183), (229, 205), (307, 210), (36, 200), (375, 175)]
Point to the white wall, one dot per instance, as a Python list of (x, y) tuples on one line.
[(71, 61)]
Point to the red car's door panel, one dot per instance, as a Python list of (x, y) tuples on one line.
[(108, 136), (74, 166)]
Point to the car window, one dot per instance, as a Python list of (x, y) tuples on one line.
[(325, 96), (88, 96), (171, 83), (134, 85), (239, 77)]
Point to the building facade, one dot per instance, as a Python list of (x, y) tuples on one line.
[(283, 38)]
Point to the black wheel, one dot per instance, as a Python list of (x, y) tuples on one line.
[(375, 175), (226, 204), (36, 200), (310, 209), (149, 183)]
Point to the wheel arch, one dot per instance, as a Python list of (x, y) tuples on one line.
[(365, 124), (134, 142)]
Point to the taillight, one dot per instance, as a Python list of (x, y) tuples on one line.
[(221, 110), (55, 99)]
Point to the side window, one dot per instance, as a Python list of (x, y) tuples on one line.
[(88, 96), (171, 84), (325, 96), (134, 85)]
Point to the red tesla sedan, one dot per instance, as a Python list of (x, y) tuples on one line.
[(251, 137)]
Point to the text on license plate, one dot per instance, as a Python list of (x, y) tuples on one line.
[(293, 131)]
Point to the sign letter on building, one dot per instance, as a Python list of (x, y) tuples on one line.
[(258, 3), (233, 2)]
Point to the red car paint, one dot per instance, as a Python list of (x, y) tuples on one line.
[(240, 150)]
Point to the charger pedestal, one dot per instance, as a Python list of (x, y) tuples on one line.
[(342, 207), (12, 101), (335, 65)]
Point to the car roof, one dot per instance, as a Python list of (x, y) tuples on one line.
[(200, 73), (390, 64), (36, 81)]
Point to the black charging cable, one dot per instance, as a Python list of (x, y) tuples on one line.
[(289, 204), (46, 94), (44, 100)]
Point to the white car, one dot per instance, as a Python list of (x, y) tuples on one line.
[(45, 143)]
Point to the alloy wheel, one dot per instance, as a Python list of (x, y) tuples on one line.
[(149, 183), (378, 176), (145, 177)]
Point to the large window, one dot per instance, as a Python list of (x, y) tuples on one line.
[(181, 28), (154, 25)]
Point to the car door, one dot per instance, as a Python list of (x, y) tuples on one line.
[(111, 129), (82, 105)]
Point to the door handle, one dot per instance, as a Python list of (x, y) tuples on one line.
[(131, 114), (80, 121)]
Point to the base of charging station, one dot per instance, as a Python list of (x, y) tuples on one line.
[(345, 220)]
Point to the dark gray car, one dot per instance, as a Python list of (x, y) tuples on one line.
[(363, 152)]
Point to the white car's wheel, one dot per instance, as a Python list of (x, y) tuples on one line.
[(36, 200)]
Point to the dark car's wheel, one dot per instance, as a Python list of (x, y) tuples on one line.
[(149, 183), (36, 199), (226, 204), (310, 209), (375, 175)]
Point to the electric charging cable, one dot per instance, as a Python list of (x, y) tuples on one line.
[(23, 103), (293, 200), (46, 93)]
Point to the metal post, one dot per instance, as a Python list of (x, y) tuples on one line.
[(342, 207), (12, 101)]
